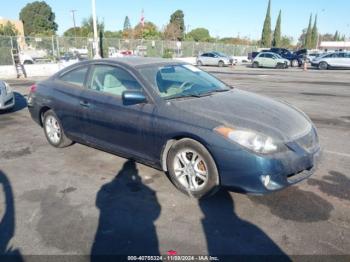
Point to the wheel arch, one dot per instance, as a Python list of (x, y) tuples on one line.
[(42, 111), (171, 141)]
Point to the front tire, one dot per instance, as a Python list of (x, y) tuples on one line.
[(192, 169), (323, 66), (199, 63), (280, 66), (53, 130), (221, 64)]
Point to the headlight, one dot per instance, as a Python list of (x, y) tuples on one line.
[(8, 88), (254, 141)]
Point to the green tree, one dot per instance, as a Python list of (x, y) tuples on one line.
[(127, 25), (308, 37), (74, 31), (8, 29), (266, 33), (287, 42), (113, 34), (148, 31), (276, 42), (172, 32), (177, 18), (87, 27), (199, 35), (127, 29), (314, 34), (38, 19), (336, 36)]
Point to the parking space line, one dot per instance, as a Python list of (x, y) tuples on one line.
[(337, 153)]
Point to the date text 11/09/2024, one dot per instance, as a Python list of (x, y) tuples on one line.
[(173, 258)]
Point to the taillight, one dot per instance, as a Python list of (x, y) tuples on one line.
[(33, 88)]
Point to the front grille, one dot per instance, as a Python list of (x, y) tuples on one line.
[(308, 142), (295, 178)]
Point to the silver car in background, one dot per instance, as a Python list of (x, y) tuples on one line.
[(7, 98), (332, 60), (214, 59)]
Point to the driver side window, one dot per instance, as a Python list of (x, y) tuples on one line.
[(112, 80)]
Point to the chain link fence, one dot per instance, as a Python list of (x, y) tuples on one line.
[(53, 49)]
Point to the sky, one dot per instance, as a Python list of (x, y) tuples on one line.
[(223, 18)]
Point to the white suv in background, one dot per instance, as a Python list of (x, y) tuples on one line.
[(332, 60)]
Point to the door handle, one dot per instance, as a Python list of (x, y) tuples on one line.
[(84, 104)]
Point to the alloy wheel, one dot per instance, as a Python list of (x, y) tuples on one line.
[(190, 169), (53, 129)]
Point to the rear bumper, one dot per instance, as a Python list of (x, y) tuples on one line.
[(247, 172), (7, 102)]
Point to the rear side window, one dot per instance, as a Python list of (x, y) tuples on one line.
[(269, 56), (112, 80), (75, 77)]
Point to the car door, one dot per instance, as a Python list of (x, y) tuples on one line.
[(347, 60), (67, 90), (269, 60), (343, 60), (332, 59), (212, 59), (109, 123), (204, 59)]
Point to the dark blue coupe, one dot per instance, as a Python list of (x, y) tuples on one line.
[(178, 118)]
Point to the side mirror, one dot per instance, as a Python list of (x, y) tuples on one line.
[(133, 97)]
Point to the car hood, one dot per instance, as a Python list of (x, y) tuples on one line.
[(244, 110)]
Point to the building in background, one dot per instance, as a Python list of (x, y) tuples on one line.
[(335, 45), (19, 27)]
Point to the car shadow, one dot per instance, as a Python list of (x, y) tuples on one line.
[(7, 223), (128, 210), (227, 234), (20, 103)]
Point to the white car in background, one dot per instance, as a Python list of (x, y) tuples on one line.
[(7, 98), (332, 60)]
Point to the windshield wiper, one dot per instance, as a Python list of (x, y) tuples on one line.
[(183, 96), (217, 91)]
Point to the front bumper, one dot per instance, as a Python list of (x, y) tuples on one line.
[(245, 172), (7, 101)]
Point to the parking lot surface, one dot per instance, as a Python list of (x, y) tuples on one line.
[(79, 200)]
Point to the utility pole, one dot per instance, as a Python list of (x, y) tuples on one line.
[(75, 26), (94, 19)]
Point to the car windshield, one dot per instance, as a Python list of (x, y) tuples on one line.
[(278, 56), (220, 54), (176, 81)]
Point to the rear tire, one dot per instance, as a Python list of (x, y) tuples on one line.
[(295, 63), (323, 66), (192, 169), (199, 63), (255, 65), (53, 130)]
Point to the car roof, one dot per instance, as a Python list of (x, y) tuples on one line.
[(271, 53), (139, 61)]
